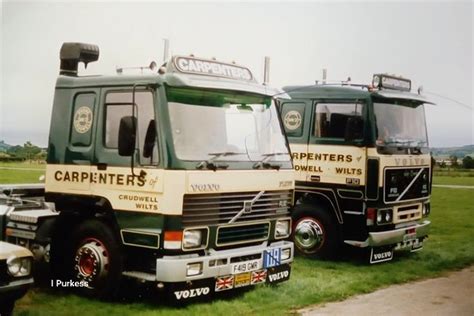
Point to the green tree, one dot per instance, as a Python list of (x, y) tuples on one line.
[(454, 161), (27, 151), (468, 162)]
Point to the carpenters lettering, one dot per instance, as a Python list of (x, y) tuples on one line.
[(100, 178), (212, 68)]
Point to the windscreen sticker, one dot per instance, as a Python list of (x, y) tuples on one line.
[(292, 120), (83, 119)]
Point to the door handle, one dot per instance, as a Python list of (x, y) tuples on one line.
[(101, 166)]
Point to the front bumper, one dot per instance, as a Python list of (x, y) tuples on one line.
[(15, 289), (392, 237), (172, 269)]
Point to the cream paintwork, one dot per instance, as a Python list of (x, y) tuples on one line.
[(241, 180), (328, 168), (328, 174), (165, 189), (398, 161), (407, 215), (8, 250), (300, 148)]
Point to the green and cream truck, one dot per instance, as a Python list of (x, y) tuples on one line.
[(180, 178), (363, 168)]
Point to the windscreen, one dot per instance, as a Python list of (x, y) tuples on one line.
[(400, 126), (225, 126)]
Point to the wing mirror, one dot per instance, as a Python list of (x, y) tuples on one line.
[(127, 135)]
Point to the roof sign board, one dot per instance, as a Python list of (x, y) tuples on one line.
[(192, 65), (391, 82)]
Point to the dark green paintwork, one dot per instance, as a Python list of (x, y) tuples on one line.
[(61, 151), (143, 239), (311, 95), (326, 92), (144, 220)]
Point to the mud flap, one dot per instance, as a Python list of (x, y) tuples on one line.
[(417, 245), (381, 254), (278, 274), (184, 292)]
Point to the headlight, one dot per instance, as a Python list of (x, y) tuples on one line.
[(194, 268), (384, 216), (193, 238), (285, 254), (19, 267), (282, 228), (426, 209)]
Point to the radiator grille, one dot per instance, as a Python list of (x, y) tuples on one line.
[(228, 235), (220, 208), (406, 184), (407, 213)]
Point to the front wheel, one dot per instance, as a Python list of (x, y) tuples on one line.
[(314, 232), (96, 260)]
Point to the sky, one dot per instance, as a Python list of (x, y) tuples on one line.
[(428, 42)]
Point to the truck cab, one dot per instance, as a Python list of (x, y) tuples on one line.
[(181, 177), (363, 167)]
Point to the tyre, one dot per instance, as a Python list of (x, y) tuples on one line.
[(96, 260), (315, 232)]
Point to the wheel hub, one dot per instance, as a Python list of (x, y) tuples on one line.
[(91, 261), (309, 235)]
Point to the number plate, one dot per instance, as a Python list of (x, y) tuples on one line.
[(246, 266), (409, 237), (242, 279), (417, 245), (271, 258)]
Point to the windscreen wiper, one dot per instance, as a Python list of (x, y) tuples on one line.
[(405, 144), (209, 164), (265, 165)]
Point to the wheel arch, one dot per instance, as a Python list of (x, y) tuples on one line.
[(323, 200), (72, 215)]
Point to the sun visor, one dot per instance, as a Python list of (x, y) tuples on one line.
[(192, 81), (401, 96)]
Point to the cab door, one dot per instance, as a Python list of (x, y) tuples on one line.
[(116, 103), (80, 148), (137, 184), (336, 148)]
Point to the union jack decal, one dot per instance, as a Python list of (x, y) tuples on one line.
[(224, 283), (259, 276)]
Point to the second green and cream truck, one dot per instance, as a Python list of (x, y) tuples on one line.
[(179, 177), (363, 168)]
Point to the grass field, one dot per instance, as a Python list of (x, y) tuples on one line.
[(453, 180), (21, 172), (454, 172), (449, 247)]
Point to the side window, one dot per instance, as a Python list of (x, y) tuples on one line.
[(293, 115), (339, 121), (118, 105), (83, 119)]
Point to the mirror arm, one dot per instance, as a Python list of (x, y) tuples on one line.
[(132, 162)]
